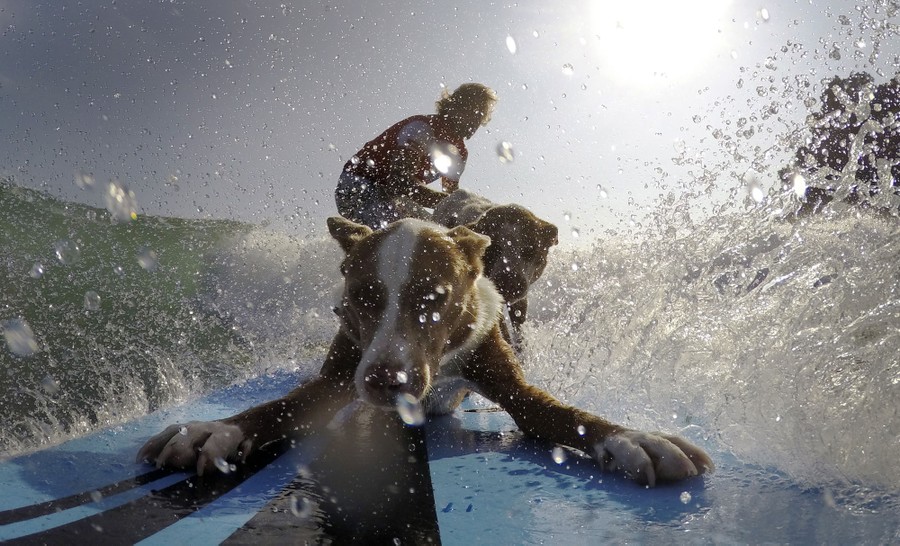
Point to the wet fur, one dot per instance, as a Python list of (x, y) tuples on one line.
[(520, 242), (429, 269)]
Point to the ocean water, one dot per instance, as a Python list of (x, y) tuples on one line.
[(771, 340), (104, 320)]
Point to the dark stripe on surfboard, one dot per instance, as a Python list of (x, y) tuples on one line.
[(49, 507), (371, 485), (140, 518)]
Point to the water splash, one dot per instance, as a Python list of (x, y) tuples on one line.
[(505, 152), (301, 507), (410, 410), (511, 45), (148, 259), (68, 252), (91, 301), (775, 340), (558, 454), (120, 202), (84, 180), (19, 337)]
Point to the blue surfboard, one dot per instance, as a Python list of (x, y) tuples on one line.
[(470, 477)]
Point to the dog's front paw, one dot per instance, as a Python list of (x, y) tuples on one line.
[(651, 457), (208, 444)]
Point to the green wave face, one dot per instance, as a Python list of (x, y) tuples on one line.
[(101, 318)]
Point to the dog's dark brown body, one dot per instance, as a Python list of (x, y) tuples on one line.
[(520, 241), (420, 325)]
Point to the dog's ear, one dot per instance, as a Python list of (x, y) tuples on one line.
[(550, 233), (347, 233), (472, 244)]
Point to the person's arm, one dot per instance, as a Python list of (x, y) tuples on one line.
[(427, 197), (414, 189)]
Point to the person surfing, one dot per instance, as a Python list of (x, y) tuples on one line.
[(388, 178)]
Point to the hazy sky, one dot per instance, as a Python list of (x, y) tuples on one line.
[(249, 109)]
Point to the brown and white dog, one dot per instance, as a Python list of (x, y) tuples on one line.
[(520, 241), (419, 324)]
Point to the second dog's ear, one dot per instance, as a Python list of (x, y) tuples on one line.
[(347, 233), (551, 234), (472, 244)]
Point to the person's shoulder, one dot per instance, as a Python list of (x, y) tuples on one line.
[(416, 118)]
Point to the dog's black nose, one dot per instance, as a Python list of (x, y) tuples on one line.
[(384, 382)]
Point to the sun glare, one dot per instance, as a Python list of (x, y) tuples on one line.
[(644, 40)]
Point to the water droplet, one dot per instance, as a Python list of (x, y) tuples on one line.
[(568, 69), (84, 180), (685, 497), (575, 233), (756, 191), (91, 301), (119, 270), (435, 317), (422, 319), (148, 259), (301, 507), (222, 465), (505, 152), (96, 496), (50, 385), (799, 183), (410, 410), (559, 455), (121, 202), (764, 14), (37, 271), (574, 266), (67, 252), (19, 337), (183, 431), (511, 44), (603, 193), (581, 430)]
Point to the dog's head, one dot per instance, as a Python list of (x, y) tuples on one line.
[(413, 296), (518, 253)]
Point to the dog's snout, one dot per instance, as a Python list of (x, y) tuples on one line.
[(384, 378), (511, 283), (384, 382)]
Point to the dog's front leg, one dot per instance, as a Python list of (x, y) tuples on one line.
[(208, 444), (518, 311), (644, 457)]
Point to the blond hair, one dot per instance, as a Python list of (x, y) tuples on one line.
[(468, 96)]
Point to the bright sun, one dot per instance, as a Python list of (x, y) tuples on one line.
[(643, 40)]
